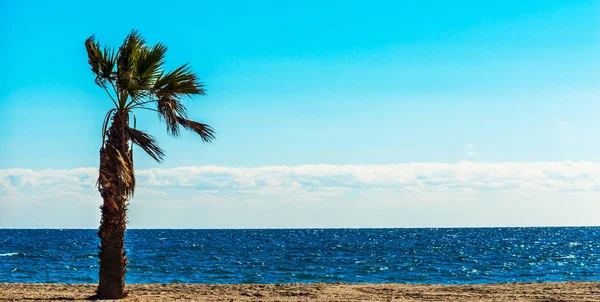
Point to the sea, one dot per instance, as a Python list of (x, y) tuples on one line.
[(419, 256)]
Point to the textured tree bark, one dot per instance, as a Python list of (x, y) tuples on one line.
[(115, 160)]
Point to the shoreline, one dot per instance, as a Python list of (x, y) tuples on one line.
[(543, 291)]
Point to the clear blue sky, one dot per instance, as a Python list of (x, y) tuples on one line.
[(316, 82)]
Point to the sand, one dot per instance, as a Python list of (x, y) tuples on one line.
[(559, 291)]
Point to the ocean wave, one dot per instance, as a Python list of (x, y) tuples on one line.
[(8, 254)]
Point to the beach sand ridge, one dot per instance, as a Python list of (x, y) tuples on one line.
[(540, 292)]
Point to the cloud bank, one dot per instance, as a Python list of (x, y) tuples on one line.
[(410, 177), (331, 188)]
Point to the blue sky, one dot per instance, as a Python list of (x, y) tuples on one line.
[(310, 83)]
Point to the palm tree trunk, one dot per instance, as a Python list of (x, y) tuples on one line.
[(115, 162)]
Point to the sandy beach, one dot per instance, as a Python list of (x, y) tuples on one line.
[(555, 291)]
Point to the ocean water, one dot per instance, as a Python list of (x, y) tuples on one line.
[(450, 256)]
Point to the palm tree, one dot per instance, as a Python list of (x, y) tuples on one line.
[(134, 79)]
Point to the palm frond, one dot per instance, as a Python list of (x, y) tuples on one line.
[(122, 164), (179, 82), (107, 117), (148, 67), (150, 62), (108, 64), (126, 60), (146, 142), (206, 132), (168, 111), (130, 189), (101, 61)]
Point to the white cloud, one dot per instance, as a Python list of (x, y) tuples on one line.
[(563, 124), (413, 177), (470, 146), (471, 154), (49, 183), (314, 190)]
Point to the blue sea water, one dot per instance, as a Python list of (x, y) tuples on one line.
[(463, 255)]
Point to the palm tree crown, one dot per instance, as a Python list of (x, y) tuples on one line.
[(135, 76)]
